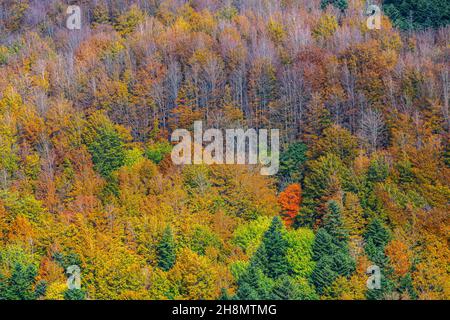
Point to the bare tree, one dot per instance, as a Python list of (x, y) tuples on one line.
[(372, 129), (446, 97)]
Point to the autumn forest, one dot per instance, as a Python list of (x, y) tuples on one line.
[(87, 180)]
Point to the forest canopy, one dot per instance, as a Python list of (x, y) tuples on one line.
[(86, 177)]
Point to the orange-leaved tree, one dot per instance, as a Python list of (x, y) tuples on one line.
[(289, 201)]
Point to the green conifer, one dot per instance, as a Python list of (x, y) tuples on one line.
[(166, 250)]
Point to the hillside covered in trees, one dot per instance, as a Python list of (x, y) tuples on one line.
[(86, 176)]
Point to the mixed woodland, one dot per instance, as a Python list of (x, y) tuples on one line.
[(86, 176)]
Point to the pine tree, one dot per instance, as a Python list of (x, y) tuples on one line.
[(3, 287), (166, 250), (378, 170), (406, 286)]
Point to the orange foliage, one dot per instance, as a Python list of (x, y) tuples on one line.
[(289, 201), (399, 256)]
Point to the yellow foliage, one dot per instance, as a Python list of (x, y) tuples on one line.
[(325, 27), (55, 291)]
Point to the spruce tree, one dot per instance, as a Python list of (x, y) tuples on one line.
[(19, 286), (406, 286), (377, 237), (3, 288), (253, 285), (323, 274), (339, 4), (343, 263), (108, 152), (323, 244), (291, 164), (334, 225), (285, 289), (330, 250), (74, 294), (40, 289), (259, 259), (224, 295), (275, 246), (377, 233), (166, 250), (418, 14)]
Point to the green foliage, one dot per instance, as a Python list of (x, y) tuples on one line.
[(323, 244), (202, 238), (334, 224), (287, 288), (377, 237), (330, 250), (224, 296), (377, 233), (20, 284), (418, 14), (157, 151), (40, 289), (74, 294), (166, 250), (406, 286), (299, 252), (318, 182), (66, 260), (291, 164), (22, 205), (107, 151), (128, 21), (132, 156), (324, 176), (239, 268), (340, 4), (323, 275), (254, 285), (280, 255), (378, 170), (248, 236), (405, 172), (275, 246)]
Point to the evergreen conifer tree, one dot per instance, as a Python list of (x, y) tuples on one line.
[(166, 250), (275, 246)]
